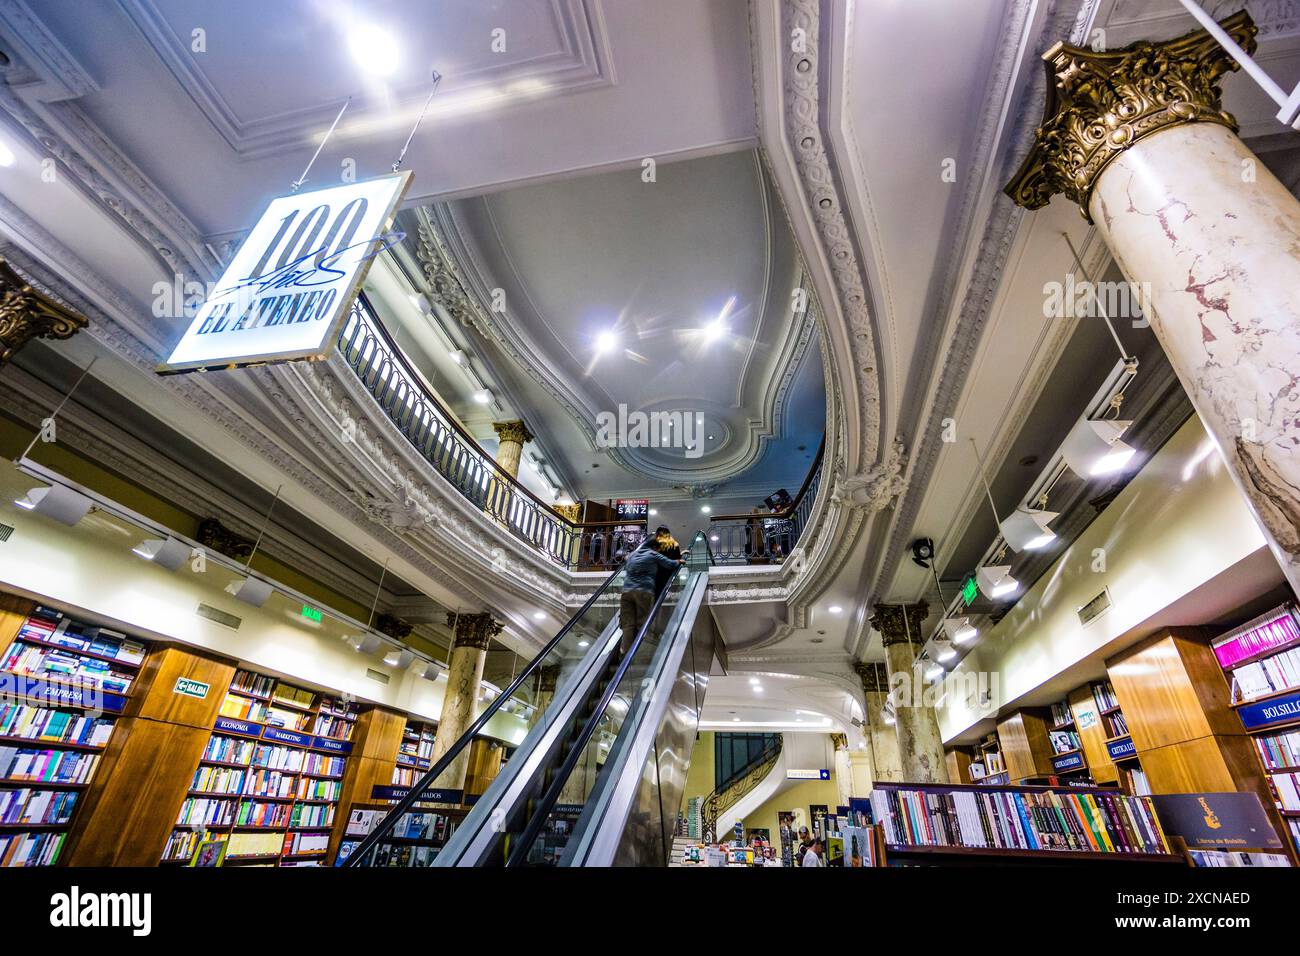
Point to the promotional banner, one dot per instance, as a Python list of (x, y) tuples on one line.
[(288, 289)]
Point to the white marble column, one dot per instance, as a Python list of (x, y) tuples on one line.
[(472, 634), (510, 446), (920, 747), (1209, 237)]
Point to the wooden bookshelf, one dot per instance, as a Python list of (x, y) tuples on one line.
[(69, 682), (988, 753), (415, 752), (1025, 745), (270, 779)]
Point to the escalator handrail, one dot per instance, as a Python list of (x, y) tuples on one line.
[(376, 836), (579, 746)]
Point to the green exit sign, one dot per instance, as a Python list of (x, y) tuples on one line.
[(190, 688), (310, 613), (969, 591)]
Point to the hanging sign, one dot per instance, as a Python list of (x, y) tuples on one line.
[(288, 289), (632, 509)]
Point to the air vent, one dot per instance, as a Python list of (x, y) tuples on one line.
[(5, 532), (219, 617), (375, 675), (1095, 608)]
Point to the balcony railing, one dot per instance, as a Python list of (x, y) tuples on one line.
[(386, 373), (765, 536)]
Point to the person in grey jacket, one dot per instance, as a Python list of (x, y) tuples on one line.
[(639, 592)]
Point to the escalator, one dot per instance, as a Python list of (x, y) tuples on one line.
[(598, 779)]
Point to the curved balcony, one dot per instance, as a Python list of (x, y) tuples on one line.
[(386, 374)]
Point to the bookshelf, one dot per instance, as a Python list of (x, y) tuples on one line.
[(415, 841), (1118, 741), (1068, 758), (938, 823), (415, 752), (66, 681), (1261, 661), (988, 754), (270, 777)]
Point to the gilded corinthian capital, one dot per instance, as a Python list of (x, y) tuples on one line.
[(1100, 104), (26, 314), (474, 630), (515, 431)]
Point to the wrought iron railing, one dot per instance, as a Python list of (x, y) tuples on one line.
[(723, 799), (766, 536), (388, 376)]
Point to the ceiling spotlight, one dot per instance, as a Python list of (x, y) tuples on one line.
[(606, 342), (713, 537), (705, 508), (653, 512), (995, 580), (922, 551), (432, 670), (250, 590), (959, 629), (58, 502), (373, 48), (1093, 447), (944, 651), (483, 396), (368, 644), (1027, 530), (933, 671), (458, 356), (715, 330), (399, 658), (168, 552), (835, 609), (758, 688), (539, 615), (735, 720), (6, 156), (584, 644), (755, 681)]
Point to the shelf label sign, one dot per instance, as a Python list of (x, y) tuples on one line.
[(1266, 713), (70, 693), (245, 728), (822, 774), (1217, 820), (287, 290), (1121, 749), (1067, 762), (190, 688), (430, 795)]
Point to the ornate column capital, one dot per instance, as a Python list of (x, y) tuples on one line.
[(1100, 104), (215, 536), (873, 675), (572, 513), (26, 314), (899, 623), (474, 630), (515, 431), (393, 626), (548, 676)]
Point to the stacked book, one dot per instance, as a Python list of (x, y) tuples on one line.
[(1061, 714), (1104, 696), (1087, 821), (40, 723), (1287, 787), (247, 682), (40, 661)]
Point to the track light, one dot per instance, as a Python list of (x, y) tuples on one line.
[(483, 396), (432, 670), (995, 580), (933, 671), (368, 644), (250, 590), (1093, 447), (58, 502), (167, 552), (400, 658), (959, 629), (943, 650), (1026, 530)]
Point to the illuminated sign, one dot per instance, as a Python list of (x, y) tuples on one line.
[(311, 613), (969, 591), (288, 289)]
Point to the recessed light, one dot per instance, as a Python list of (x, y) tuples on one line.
[(705, 508), (483, 396), (758, 688), (539, 615), (755, 680), (373, 48), (835, 609), (584, 643), (605, 342), (653, 512), (7, 157), (457, 356), (713, 537)]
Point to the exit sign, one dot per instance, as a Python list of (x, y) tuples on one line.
[(311, 613), (190, 688), (969, 591)]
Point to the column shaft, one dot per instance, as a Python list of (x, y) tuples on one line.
[(472, 632)]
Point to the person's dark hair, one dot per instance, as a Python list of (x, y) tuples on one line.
[(662, 529)]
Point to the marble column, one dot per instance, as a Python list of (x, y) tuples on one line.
[(27, 314), (881, 738), (1210, 238), (920, 747), (472, 634), (510, 448)]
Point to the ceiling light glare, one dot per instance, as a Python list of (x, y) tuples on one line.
[(457, 356), (399, 658), (960, 630), (933, 671), (606, 342), (373, 48), (7, 157), (705, 508), (483, 396), (1093, 447), (944, 651), (755, 681), (584, 643), (1026, 530), (835, 609), (995, 580), (539, 615)]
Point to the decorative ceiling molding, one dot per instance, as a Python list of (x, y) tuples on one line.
[(582, 63)]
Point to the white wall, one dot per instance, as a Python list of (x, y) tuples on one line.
[(90, 570), (1178, 524)]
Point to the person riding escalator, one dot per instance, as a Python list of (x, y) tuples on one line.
[(641, 584)]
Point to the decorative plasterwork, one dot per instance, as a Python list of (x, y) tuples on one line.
[(581, 63), (26, 314)]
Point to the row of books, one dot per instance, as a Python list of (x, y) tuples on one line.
[(1063, 741), (206, 811), (83, 637), (1104, 695), (181, 845), (1222, 858), (270, 783), (288, 719), (406, 776), (1280, 750), (298, 844), (334, 726), (1271, 631), (1294, 826), (31, 849), (313, 788), (218, 780), (1096, 821), (323, 765), (46, 766), (1287, 787), (1272, 674), (312, 815), (424, 826), (254, 844), (1061, 714), (31, 806), (38, 661), (1118, 725), (43, 724), (246, 682), (251, 813), (337, 706), (288, 694), (229, 750), (243, 708)]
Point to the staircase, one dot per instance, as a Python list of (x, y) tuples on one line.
[(726, 797), (680, 843)]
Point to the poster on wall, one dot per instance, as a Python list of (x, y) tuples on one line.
[(287, 290)]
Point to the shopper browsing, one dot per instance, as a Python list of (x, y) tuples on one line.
[(814, 855)]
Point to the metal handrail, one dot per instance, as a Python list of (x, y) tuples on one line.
[(744, 781), (387, 374), (386, 825), (742, 539), (579, 746)]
